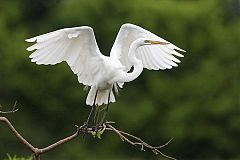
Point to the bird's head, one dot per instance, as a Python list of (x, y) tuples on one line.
[(143, 41)]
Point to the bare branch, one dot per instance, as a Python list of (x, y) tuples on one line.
[(15, 132), (14, 109), (139, 142), (107, 126)]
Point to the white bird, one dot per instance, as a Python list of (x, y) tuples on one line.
[(134, 47)]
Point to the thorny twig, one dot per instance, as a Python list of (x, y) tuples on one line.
[(107, 126)]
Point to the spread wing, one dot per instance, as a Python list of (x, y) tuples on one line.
[(152, 56), (77, 46)]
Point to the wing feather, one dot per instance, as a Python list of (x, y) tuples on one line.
[(77, 46), (149, 58), (148, 64), (152, 56), (159, 62)]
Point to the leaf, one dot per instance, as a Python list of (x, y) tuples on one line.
[(94, 134), (99, 134)]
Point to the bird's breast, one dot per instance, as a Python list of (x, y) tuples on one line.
[(107, 76)]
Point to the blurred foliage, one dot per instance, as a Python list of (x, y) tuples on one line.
[(197, 103), (17, 158)]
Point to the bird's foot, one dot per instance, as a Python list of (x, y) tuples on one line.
[(85, 127), (96, 127)]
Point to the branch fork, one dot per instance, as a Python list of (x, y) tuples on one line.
[(95, 131)]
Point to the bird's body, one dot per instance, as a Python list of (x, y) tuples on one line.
[(134, 47)]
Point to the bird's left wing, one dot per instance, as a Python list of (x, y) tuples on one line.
[(152, 56), (77, 46)]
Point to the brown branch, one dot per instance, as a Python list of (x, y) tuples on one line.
[(137, 141), (14, 109), (107, 126), (36, 151), (15, 132)]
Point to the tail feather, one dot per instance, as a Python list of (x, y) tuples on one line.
[(102, 96)]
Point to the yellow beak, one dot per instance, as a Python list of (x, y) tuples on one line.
[(158, 42)]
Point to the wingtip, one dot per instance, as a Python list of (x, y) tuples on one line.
[(179, 49), (30, 40), (183, 50), (181, 55), (29, 49), (30, 56)]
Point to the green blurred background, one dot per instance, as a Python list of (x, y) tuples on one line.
[(197, 103)]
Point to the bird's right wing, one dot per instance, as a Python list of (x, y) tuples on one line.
[(77, 46), (152, 56)]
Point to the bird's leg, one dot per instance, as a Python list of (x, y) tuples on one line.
[(96, 114), (89, 116), (105, 111), (93, 107)]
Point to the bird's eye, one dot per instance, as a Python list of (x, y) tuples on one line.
[(146, 41)]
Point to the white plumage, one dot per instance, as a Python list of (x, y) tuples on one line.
[(134, 46)]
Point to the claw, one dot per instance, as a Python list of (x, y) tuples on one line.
[(85, 127)]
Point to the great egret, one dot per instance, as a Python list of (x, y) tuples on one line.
[(134, 46)]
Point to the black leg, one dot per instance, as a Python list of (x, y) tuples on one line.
[(105, 112), (89, 115), (96, 114), (108, 101), (93, 107)]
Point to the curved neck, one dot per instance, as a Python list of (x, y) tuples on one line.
[(137, 64)]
